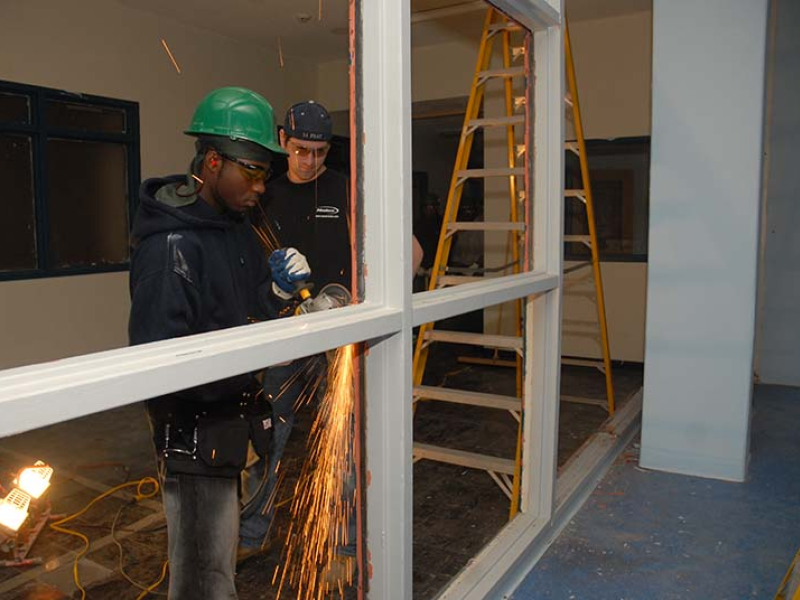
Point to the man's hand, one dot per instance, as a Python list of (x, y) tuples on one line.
[(289, 268)]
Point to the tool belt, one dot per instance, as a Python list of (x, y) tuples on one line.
[(215, 441)]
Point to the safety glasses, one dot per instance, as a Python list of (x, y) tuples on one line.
[(303, 152), (250, 172)]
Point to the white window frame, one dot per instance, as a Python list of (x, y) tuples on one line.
[(43, 394)]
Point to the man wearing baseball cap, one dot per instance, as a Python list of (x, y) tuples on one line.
[(306, 208)]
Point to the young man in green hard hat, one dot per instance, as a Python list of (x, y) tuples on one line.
[(197, 266)]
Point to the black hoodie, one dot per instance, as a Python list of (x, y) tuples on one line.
[(193, 271)]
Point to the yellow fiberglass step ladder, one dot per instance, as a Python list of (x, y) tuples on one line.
[(504, 471), (497, 28), (580, 273)]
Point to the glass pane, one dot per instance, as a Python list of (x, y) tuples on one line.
[(88, 203), (469, 160), (465, 442), (72, 115), (619, 171), (15, 108), (17, 214)]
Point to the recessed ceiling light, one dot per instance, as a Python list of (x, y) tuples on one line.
[(303, 17)]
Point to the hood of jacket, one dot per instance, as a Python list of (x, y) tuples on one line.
[(168, 204)]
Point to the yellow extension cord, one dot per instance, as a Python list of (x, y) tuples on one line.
[(140, 495)]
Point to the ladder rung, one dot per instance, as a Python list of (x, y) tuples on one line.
[(497, 121), (583, 239), (578, 267), (568, 99), (485, 226), (580, 194), (471, 460), (505, 72), (583, 362), (447, 280), (573, 147), (584, 400), (428, 392), (465, 174), (504, 342)]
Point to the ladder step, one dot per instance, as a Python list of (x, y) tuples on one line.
[(568, 99), (471, 460), (573, 147), (485, 226), (428, 392), (584, 400), (448, 280), (578, 267), (497, 121), (583, 239), (580, 194), (504, 342), (505, 72), (465, 174), (597, 363)]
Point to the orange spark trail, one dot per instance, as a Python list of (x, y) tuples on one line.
[(320, 512)]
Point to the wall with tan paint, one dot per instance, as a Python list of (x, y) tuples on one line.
[(104, 48)]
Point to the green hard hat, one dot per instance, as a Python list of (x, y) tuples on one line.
[(237, 114)]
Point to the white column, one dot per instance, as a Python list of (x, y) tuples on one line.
[(708, 87)]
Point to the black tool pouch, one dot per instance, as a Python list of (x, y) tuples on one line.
[(261, 432), (222, 443)]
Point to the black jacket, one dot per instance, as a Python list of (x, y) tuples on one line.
[(194, 271)]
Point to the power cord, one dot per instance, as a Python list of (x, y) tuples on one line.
[(125, 576), (140, 495)]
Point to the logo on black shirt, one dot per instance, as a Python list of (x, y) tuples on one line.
[(327, 212)]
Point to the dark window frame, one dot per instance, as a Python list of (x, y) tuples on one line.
[(39, 132)]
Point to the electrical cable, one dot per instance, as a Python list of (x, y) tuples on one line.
[(121, 551), (140, 495)]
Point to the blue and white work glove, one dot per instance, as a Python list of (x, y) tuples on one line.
[(289, 268)]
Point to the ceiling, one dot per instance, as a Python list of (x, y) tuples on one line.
[(297, 28)]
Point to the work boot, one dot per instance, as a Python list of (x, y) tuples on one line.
[(245, 553)]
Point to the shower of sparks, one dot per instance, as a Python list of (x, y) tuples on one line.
[(320, 512), (320, 11), (171, 57), (280, 52)]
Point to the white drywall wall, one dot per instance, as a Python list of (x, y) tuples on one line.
[(708, 86)]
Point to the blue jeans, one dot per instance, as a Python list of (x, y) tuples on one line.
[(202, 525), (260, 478)]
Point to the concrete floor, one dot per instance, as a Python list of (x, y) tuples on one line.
[(649, 535), (456, 511)]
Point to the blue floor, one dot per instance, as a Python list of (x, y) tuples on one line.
[(648, 535)]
